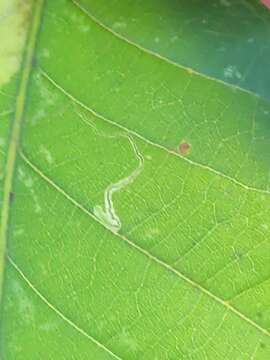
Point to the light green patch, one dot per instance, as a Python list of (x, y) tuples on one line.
[(14, 18)]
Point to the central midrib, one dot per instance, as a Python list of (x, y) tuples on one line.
[(12, 151), (16, 132)]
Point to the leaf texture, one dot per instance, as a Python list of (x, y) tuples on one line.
[(139, 226)]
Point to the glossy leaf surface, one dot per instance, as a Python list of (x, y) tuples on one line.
[(139, 222)]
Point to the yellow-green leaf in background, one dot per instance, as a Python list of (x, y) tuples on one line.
[(135, 189)]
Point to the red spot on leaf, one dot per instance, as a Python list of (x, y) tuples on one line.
[(183, 148), (266, 3)]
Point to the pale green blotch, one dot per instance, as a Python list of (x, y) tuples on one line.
[(14, 19)]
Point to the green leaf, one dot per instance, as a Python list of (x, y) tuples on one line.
[(225, 39), (14, 18), (138, 225)]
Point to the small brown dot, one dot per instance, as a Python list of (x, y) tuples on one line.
[(183, 148)]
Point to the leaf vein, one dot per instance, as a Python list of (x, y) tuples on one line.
[(57, 311), (16, 132), (146, 253), (150, 142), (157, 55)]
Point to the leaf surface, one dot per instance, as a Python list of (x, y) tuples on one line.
[(139, 226), (224, 39)]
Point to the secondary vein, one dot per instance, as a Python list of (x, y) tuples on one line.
[(150, 142), (58, 312), (15, 133), (146, 253), (78, 4)]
